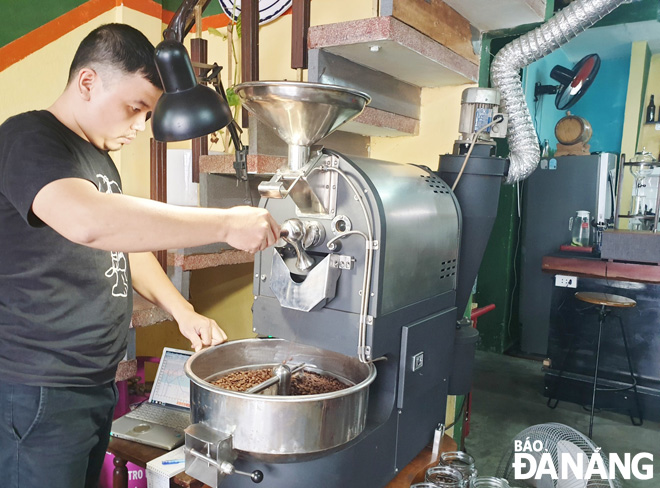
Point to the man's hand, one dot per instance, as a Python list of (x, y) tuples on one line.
[(251, 229), (199, 330)]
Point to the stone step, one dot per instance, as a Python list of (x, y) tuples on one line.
[(256, 164), (181, 262), (189, 260), (146, 313), (126, 370)]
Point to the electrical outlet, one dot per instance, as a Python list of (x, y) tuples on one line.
[(566, 281)]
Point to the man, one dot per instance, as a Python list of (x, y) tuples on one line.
[(71, 248)]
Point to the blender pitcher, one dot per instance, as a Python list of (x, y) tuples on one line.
[(579, 227)]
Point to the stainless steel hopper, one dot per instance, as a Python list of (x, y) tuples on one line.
[(301, 113)]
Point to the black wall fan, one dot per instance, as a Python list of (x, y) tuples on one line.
[(573, 83)]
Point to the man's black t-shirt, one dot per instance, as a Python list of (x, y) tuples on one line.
[(64, 308)]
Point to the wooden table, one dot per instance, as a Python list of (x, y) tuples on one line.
[(589, 267), (139, 454)]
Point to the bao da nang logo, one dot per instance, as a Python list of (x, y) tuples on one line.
[(532, 460)]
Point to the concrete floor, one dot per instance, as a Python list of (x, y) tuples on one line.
[(507, 397)]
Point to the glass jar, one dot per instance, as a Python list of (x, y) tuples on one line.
[(423, 484), (488, 482), (579, 227), (641, 166), (461, 461), (445, 477)]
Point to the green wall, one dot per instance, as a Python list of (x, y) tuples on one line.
[(497, 279), (21, 17)]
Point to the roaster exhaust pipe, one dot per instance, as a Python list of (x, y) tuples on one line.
[(505, 73), (481, 174)]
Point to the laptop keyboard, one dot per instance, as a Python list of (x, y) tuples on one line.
[(161, 416)]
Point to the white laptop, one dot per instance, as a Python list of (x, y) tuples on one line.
[(160, 421)]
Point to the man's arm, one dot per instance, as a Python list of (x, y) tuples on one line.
[(150, 281), (114, 222)]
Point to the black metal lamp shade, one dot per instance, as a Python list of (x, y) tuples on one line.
[(186, 109)]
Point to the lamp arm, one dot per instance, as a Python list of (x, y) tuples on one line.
[(213, 77), (240, 163), (184, 19)]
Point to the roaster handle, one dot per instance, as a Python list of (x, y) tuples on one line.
[(256, 476)]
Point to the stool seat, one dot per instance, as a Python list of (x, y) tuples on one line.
[(605, 299)]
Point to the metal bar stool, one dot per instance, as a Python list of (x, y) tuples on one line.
[(606, 302)]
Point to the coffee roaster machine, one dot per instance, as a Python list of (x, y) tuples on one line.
[(363, 286)]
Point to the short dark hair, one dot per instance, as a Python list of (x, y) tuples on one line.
[(120, 47)]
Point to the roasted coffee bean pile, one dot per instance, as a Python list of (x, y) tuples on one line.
[(243, 380), (309, 383), (303, 383)]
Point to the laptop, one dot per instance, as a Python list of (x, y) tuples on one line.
[(160, 421)]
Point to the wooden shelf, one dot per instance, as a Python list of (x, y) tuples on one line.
[(388, 45), (391, 61), (437, 20), (597, 268)]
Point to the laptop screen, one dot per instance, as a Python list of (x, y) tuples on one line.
[(172, 386)]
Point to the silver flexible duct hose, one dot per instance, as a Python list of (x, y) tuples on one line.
[(561, 28)]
